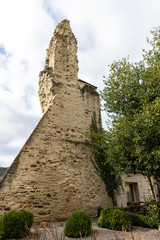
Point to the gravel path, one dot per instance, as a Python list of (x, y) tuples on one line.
[(55, 232)]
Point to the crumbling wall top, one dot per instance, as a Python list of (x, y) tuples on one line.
[(63, 28), (62, 52)]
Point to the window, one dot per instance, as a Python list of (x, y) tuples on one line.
[(132, 193)]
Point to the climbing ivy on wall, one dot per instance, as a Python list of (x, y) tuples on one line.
[(101, 162)]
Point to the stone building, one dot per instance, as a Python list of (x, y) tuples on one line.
[(53, 174)]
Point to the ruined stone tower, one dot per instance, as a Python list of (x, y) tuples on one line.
[(53, 174)]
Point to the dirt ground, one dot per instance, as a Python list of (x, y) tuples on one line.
[(55, 231)]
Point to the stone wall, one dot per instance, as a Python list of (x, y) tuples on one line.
[(53, 174)]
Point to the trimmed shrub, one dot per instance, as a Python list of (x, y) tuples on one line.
[(139, 220), (13, 224), (78, 224), (143, 221), (114, 218)]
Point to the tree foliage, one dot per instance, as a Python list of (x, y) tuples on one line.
[(132, 99), (132, 85)]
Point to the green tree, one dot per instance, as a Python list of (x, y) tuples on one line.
[(132, 99)]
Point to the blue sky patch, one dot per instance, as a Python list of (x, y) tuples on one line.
[(2, 51), (7, 89)]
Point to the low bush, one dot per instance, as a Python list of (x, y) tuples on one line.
[(78, 225), (139, 220), (13, 224), (114, 218), (143, 221)]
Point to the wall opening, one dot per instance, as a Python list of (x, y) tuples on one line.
[(132, 193)]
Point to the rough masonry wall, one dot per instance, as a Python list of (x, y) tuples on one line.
[(53, 174)]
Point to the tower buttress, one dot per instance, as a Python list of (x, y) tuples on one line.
[(61, 65)]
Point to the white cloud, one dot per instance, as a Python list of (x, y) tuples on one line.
[(106, 30)]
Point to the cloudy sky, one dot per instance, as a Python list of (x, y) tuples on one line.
[(106, 30)]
